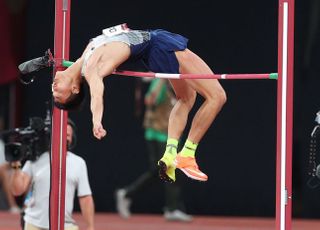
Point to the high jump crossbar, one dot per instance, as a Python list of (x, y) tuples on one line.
[(284, 112), (189, 76)]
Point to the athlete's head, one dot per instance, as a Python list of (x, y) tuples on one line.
[(68, 91)]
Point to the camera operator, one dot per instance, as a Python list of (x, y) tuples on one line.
[(35, 178)]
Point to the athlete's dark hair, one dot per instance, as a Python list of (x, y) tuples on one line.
[(75, 101)]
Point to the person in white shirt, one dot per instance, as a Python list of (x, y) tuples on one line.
[(35, 177)]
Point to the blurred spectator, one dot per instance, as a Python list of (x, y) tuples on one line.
[(159, 101)]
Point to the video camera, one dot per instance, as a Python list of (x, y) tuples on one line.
[(28, 143), (314, 166)]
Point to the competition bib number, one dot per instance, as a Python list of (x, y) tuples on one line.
[(115, 30)]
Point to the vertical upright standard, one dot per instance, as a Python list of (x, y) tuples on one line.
[(284, 117), (284, 114), (59, 120)]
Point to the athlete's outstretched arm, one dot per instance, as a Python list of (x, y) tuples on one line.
[(96, 93), (100, 65)]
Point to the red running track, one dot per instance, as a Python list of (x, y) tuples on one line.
[(111, 221)]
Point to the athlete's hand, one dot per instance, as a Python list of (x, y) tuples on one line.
[(98, 131)]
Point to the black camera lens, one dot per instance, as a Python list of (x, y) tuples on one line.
[(13, 152)]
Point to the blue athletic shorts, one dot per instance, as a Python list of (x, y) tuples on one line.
[(161, 56)]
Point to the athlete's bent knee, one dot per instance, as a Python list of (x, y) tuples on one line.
[(222, 96), (188, 99), (217, 96)]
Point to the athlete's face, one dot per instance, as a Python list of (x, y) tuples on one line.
[(61, 87)]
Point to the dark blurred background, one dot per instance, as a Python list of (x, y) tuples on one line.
[(238, 152)]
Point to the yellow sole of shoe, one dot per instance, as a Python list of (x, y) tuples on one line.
[(162, 172)]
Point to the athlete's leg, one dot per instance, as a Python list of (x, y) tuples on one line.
[(177, 122), (214, 98), (209, 89), (186, 97)]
